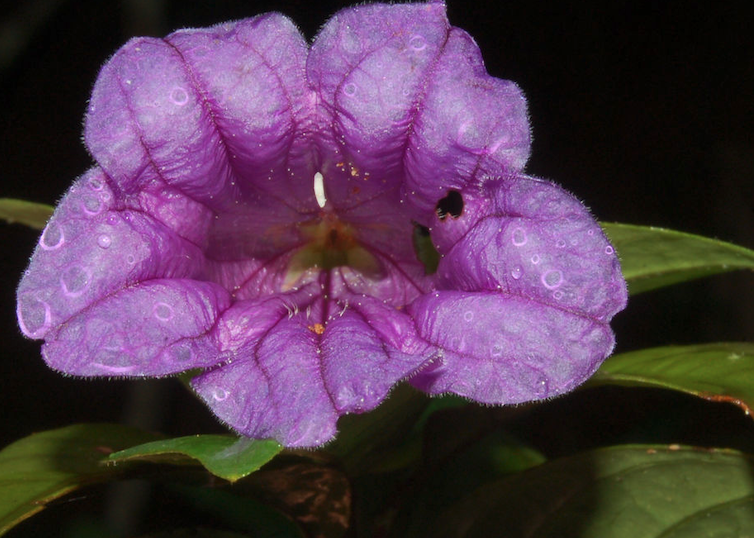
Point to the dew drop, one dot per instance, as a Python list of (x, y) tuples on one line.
[(95, 184), (552, 279), (541, 387), (53, 237), (560, 243), (91, 205), (33, 316), (590, 232), (497, 350), (179, 96), (519, 237), (163, 311), (349, 89), (417, 42), (468, 316), (104, 241), (130, 259), (535, 259), (516, 272), (609, 250), (219, 394), (558, 295), (74, 280)]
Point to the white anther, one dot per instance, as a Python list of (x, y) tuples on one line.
[(319, 189)]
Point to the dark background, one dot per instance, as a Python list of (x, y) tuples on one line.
[(645, 111)]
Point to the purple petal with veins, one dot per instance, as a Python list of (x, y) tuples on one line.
[(252, 212)]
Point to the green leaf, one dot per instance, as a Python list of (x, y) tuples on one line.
[(653, 257), (719, 372), (225, 456), (45, 466), (616, 492), (29, 213)]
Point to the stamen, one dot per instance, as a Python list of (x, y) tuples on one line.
[(319, 189)]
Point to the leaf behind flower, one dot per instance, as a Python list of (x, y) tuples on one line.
[(615, 492), (43, 467), (654, 257), (722, 372), (31, 214), (225, 456)]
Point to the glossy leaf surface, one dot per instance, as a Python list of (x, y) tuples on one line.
[(226, 456), (718, 372), (616, 492), (24, 212), (654, 257), (43, 467)]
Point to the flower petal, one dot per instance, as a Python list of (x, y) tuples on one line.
[(409, 95), (289, 377), (471, 126), (156, 328), (217, 113), (369, 65), (535, 241), (362, 358), (89, 250), (501, 349), (272, 387), (532, 284)]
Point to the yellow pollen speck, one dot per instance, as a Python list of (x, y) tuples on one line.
[(317, 328)]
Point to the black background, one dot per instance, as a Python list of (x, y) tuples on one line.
[(643, 109)]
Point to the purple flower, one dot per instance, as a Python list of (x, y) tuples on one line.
[(253, 209)]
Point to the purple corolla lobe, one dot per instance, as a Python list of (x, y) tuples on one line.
[(252, 210)]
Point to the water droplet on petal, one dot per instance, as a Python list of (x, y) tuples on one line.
[(552, 279), (468, 316), (560, 243), (91, 205), (219, 394), (130, 259), (590, 232), (541, 387), (517, 272), (74, 280), (417, 42), (95, 184), (179, 96), (53, 237), (535, 259), (104, 241), (33, 316), (349, 89), (163, 311), (519, 237), (558, 295), (497, 350), (609, 250)]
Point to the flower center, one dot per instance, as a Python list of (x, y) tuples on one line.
[(330, 243)]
